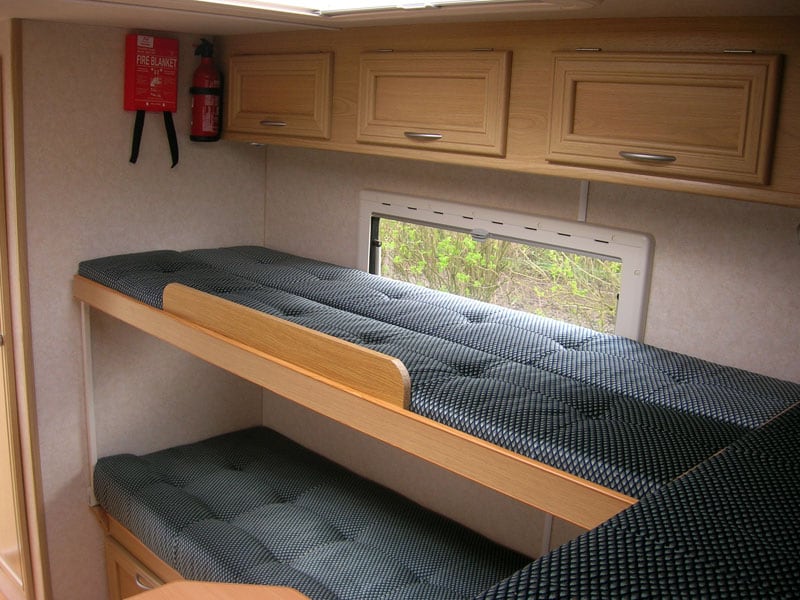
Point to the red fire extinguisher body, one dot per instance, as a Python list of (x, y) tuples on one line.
[(206, 93)]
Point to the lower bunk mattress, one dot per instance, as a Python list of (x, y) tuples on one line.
[(622, 414), (254, 507)]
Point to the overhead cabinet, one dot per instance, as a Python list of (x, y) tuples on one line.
[(680, 115), (653, 113), (449, 101), (280, 95)]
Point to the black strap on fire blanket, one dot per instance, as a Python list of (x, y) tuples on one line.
[(171, 137), (169, 125), (138, 125)]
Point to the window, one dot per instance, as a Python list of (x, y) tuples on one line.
[(552, 282), (591, 276)]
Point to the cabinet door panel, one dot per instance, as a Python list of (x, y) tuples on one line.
[(281, 95), (710, 116), (702, 116), (452, 101)]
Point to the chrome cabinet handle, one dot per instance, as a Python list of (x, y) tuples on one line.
[(140, 582), (416, 135), (268, 123), (643, 156)]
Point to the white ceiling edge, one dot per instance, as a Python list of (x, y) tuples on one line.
[(261, 8), (162, 15)]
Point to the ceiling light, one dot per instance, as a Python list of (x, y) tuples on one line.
[(334, 7)]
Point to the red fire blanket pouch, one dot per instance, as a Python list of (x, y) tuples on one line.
[(151, 84)]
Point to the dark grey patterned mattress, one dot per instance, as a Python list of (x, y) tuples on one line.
[(728, 529), (625, 415), (254, 507)]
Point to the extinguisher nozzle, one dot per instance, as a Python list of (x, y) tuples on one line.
[(204, 49)]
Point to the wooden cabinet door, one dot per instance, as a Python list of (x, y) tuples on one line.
[(280, 95), (127, 576), (450, 101), (691, 116)]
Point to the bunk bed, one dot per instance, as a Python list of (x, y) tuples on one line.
[(641, 447), (570, 421)]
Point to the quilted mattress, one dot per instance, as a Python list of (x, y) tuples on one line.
[(622, 414), (253, 507), (728, 529)]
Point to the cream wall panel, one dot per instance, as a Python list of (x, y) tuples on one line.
[(726, 275), (312, 195), (150, 395), (84, 199), (725, 283)]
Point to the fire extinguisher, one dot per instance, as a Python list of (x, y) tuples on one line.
[(206, 93)]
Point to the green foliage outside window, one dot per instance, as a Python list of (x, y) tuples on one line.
[(555, 283)]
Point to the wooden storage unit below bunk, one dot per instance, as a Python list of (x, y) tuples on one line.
[(127, 576), (131, 567)]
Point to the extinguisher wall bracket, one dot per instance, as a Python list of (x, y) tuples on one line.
[(205, 90)]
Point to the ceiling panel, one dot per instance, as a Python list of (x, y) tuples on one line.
[(178, 16)]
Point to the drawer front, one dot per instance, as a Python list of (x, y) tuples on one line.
[(126, 575), (280, 95), (695, 116), (450, 101)]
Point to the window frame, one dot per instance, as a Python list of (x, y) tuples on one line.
[(633, 249)]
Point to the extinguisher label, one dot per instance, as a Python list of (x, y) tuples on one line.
[(211, 116), (151, 73), (205, 108)]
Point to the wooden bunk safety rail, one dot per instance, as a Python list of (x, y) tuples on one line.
[(355, 367), (530, 482)]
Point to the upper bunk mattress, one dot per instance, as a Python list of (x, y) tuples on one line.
[(625, 415)]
